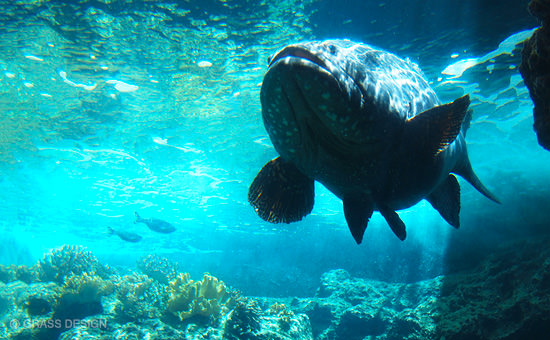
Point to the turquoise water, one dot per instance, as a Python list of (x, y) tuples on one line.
[(112, 107)]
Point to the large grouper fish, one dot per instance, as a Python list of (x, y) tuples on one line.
[(365, 124)]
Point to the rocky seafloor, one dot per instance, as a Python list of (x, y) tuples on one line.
[(69, 294)]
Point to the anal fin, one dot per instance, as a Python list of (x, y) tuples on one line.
[(446, 200), (395, 222), (358, 210), (280, 193)]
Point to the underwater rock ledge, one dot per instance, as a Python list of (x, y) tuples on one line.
[(506, 297)]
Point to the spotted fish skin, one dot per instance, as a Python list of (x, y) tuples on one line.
[(367, 125), (344, 107)]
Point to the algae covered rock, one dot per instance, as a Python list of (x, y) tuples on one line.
[(243, 322), (293, 326), (506, 297), (252, 319), (149, 329), (361, 321)]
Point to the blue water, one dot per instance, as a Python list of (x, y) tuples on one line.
[(107, 109)]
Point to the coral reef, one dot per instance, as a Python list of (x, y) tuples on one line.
[(78, 303), (71, 289), (206, 298), (84, 291), (69, 260), (22, 306), (138, 298), (14, 272), (158, 268), (79, 297)]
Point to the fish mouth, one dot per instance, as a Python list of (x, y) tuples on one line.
[(309, 103), (299, 52)]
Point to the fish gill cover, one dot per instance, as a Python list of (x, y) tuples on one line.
[(110, 107)]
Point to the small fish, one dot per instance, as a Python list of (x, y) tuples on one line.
[(125, 235), (154, 224)]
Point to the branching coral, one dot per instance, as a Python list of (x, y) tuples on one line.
[(66, 261), (207, 298), (158, 268)]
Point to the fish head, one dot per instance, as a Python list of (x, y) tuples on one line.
[(313, 100)]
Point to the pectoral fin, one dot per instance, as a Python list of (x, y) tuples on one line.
[(395, 222), (280, 193), (446, 199), (358, 210), (436, 128)]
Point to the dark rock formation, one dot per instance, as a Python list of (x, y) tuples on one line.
[(535, 70)]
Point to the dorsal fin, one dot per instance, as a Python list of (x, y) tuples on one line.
[(438, 127), (467, 120)]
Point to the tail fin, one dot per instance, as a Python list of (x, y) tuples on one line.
[(466, 172), (138, 218)]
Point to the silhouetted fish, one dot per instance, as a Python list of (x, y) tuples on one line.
[(125, 235), (157, 225), (366, 125)]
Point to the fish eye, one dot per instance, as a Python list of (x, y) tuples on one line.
[(332, 49)]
